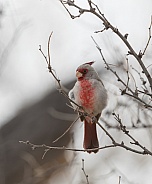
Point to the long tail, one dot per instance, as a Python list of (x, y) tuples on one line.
[(90, 136)]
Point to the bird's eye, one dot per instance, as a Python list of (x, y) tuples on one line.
[(84, 71)]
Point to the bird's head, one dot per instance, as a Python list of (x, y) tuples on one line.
[(86, 71)]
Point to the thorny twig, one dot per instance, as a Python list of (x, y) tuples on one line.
[(95, 11)]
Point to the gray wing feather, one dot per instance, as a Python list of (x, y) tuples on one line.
[(71, 95)]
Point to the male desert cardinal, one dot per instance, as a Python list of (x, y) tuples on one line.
[(89, 93)]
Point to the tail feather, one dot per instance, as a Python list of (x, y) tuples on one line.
[(90, 136)]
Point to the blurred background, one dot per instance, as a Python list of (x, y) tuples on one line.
[(32, 109)]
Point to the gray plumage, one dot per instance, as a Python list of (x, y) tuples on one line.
[(89, 93)]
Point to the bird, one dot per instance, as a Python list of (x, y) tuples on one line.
[(90, 94)]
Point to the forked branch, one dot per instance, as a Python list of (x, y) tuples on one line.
[(133, 94), (94, 9)]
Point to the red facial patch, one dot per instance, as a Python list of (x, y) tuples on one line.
[(86, 94)]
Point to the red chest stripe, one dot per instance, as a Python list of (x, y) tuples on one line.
[(86, 94)]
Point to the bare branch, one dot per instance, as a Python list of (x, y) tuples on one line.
[(108, 134), (45, 152), (110, 125), (127, 71), (108, 25), (146, 105), (100, 31), (149, 37), (66, 130), (35, 146), (133, 94), (86, 176), (71, 3), (109, 68), (145, 92), (48, 61), (115, 144), (123, 128), (49, 58), (141, 78)]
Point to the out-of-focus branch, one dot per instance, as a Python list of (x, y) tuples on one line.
[(119, 180)]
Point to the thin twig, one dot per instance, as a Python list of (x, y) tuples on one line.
[(146, 105), (108, 25), (109, 68), (141, 78), (66, 130), (145, 92), (35, 146), (97, 9), (71, 3), (49, 58), (149, 37), (123, 128), (116, 144), (133, 94), (133, 127), (48, 61), (127, 71), (109, 135), (45, 152), (136, 89), (83, 169), (100, 31)]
